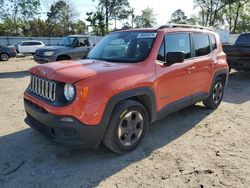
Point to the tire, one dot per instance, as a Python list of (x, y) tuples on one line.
[(216, 94), (127, 127), (62, 58), (4, 57)]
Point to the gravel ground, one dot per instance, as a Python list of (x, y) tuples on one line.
[(194, 147)]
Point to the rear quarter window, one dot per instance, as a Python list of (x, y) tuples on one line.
[(201, 44)]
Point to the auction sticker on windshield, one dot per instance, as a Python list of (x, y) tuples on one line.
[(146, 35)]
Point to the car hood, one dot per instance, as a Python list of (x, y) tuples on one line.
[(73, 71), (52, 48)]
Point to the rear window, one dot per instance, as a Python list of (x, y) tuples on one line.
[(202, 45), (243, 39)]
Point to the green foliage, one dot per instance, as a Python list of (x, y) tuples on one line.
[(19, 12), (146, 19), (178, 17), (96, 20), (232, 14), (18, 17), (113, 10)]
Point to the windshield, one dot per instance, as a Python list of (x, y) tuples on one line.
[(67, 41), (124, 47)]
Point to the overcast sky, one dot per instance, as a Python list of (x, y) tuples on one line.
[(163, 9)]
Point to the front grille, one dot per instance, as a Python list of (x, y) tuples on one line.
[(43, 88)]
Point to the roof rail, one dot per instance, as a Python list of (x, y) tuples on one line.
[(185, 26)]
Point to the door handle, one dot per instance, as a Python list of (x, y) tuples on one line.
[(191, 68)]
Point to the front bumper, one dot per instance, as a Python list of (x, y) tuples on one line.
[(43, 59), (61, 132)]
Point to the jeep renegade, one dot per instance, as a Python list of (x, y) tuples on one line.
[(129, 80)]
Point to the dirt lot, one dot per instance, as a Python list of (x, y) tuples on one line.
[(194, 147)]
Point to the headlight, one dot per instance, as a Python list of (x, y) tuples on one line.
[(69, 92), (48, 53)]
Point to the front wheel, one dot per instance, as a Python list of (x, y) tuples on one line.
[(216, 94), (4, 57), (127, 127)]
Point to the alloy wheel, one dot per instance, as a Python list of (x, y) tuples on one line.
[(217, 92), (130, 128)]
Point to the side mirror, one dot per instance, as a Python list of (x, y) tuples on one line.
[(175, 57)]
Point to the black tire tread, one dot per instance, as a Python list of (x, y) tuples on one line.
[(109, 139), (6, 54), (208, 102)]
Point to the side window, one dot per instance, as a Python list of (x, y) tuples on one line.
[(36, 43), (179, 42), (213, 42), (161, 54), (83, 42), (25, 44), (202, 45)]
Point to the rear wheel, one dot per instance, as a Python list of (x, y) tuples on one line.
[(127, 127), (4, 57), (215, 97)]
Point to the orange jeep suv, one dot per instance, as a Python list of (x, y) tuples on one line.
[(129, 80)]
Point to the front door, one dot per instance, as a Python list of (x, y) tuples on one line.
[(81, 49), (174, 83)]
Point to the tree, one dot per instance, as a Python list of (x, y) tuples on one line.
[(210, 11), (61, 20), (114, 10), (236, 13), (96, 20), (146, 19), (18, 11), (178, 17)]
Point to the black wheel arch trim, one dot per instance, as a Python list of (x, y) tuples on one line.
[(222, 72), (137, 92), (114, 100)]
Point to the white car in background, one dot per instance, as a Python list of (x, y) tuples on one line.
[(29, 46)]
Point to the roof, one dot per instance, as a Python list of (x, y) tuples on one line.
[(31, 41)]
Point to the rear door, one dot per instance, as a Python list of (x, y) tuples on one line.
[(34, 46), (203, 64), (24, 47), (174, 85)]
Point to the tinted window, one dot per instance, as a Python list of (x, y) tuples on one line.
[(213, 42), (161, 54), (243, 39), (83, 42), (179, 42), (25, 44), (201, 43), (35, 43)]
